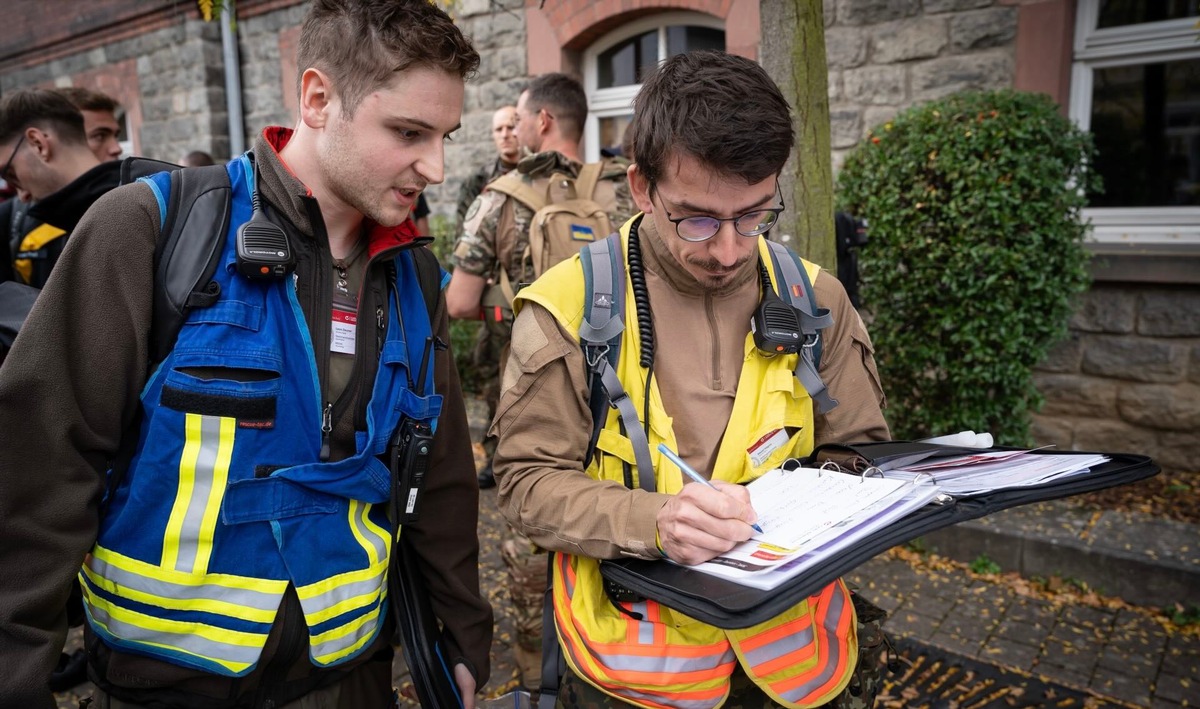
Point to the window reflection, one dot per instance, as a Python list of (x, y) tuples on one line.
[(1114, 13), (625, 63), (682, 39), (1146, 124)]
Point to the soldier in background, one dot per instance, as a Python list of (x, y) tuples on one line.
[(550, 117)]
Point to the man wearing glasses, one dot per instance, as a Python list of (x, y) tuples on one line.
[(49, 157), (711, 134)]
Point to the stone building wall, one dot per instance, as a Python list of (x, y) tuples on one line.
[(887, 55), (1127, 378), (171, 78), (497, 29)]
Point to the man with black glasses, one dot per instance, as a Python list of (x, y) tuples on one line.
[(50, 159), (711, 134)]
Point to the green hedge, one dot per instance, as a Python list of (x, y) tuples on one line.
[(975, 255)]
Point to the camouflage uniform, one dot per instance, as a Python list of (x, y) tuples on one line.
[(488, 343), (495, 232)]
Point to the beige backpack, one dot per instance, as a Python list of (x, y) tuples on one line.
[(569, 213)]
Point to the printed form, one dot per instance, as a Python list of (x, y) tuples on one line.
[(807, 510)]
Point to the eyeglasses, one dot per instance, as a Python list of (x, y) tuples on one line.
[(8, 165), (704, 227)]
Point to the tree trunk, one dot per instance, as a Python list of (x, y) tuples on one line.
[(793, 52)]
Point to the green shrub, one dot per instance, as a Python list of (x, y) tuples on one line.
[(975, 255), (463, 333)]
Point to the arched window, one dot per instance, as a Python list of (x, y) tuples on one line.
[(613, 68)]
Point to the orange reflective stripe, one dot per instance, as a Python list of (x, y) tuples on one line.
[(801, 625), (835, 616)]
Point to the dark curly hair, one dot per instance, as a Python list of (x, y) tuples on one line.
[(719, 108)]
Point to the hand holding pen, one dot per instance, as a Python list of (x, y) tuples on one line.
[(697, 525)]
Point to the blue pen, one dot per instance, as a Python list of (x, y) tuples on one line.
[(691, 473)]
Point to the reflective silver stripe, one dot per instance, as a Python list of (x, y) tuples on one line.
[(237, 598), (670, 665), (645, 634), (365, 531), (789, 643), (203, 473), (833, 661), (323, 606), (327, 651), (234, 657)]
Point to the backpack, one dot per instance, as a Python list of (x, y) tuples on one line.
[(568, 214)]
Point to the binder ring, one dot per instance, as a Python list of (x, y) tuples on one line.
[(830, 466), (870, 472)]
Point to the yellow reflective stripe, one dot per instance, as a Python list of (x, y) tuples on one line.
[(189, 636), (142, 568), (34, 240), (357, 512), (183, 496), (203, 474), (216, 492), (325, 585), (331, 597), (357, 627), (207, 605), (380, 532)]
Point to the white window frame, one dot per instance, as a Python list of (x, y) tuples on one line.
[(1144, 43), (618, 100)]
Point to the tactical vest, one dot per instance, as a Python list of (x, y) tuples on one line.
[(225, 501), (644, 652)]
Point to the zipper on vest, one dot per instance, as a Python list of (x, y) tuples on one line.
[(320, 324), (326, 429)]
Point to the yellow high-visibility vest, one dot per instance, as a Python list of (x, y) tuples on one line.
[(646, 653)]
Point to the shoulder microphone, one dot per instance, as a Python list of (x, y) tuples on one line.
[(263, 250)]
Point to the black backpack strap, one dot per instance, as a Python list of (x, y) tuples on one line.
[(794, 285), (189, 247), (429, 276)]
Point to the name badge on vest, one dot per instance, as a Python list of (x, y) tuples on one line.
[(345, 325), (765, 446)]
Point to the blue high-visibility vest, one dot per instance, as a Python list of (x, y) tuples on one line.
[(225, 501)]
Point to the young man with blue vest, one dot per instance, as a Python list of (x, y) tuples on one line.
[(229, 504), (711, 134)]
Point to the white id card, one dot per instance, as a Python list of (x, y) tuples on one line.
[(765, 446), (345, 324)]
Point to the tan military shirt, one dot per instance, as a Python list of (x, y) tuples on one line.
[(543, 422)]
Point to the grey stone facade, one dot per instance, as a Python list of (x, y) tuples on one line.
[(887, 55), (497, 29), (263, 85), (1128, 376), (179, 77)]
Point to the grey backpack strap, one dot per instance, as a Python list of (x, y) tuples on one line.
[(600, 336), (793, 281)]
